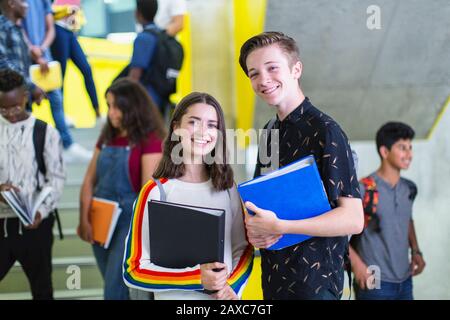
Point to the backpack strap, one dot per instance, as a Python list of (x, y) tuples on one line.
[(412, 189), (39, 133), (370, 203), (162, 193)]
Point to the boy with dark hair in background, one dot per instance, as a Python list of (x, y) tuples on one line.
[(389, 229)]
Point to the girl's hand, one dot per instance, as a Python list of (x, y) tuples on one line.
[(213, 280), (84, 231), (226, 293)]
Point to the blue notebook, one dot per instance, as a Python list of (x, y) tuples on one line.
[(293, 192)]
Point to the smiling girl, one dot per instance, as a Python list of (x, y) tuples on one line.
[(187, 179)]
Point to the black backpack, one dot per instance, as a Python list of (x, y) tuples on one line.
[(39, 131), (165, 65)]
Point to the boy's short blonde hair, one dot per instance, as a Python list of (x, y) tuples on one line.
[(286, 44)]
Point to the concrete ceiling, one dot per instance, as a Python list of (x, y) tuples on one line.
[(364, 78)]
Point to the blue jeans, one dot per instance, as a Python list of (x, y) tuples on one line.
[(388, 291), (113, 183), (110, 262), (67, 46), (56, 106)]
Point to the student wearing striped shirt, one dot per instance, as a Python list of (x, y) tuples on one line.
[(198, 120)]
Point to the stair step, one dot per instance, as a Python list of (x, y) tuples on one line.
[(71, 245), (69, 218), (76, 171), (90, 277), (71, 193)]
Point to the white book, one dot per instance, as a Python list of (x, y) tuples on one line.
[(25, 207)]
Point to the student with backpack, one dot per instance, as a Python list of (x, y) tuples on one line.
[(313, 269), (125, 157), (20, 171), (187, 178), (157, 57), (388, 243)]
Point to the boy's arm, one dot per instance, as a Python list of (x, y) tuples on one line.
[(359, 268), (417, 261), (347, 218), (135, 73), (176, 25), (49, 32), (143, 49)]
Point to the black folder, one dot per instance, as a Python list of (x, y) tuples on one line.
[(183, 236)]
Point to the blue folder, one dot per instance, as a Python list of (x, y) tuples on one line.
[(293, 192)]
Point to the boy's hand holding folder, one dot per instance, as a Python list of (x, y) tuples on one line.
[(294, 192), (262, 227)]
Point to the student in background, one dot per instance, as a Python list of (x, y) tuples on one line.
[(144, 47), (170, 16), (40, 33), (389, 240), (14, 52), (31, 245), (199, 121), (66, 46), (313, 269), (125, 157)]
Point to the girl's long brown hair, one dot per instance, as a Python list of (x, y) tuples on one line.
[(140, 114), (221, 173)]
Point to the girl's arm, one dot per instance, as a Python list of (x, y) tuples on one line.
[(138, 270), (242, 250), (86, 194)]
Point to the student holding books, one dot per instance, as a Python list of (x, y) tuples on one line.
[(313, 269), (188, 178), (125, 157), (30, 245)]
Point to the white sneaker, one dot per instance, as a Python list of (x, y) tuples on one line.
[(69, 122), (77, 153)]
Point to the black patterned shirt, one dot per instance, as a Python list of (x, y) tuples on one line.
[(307, 270)]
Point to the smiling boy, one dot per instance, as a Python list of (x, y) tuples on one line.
[(313, 269), (390, 232)]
